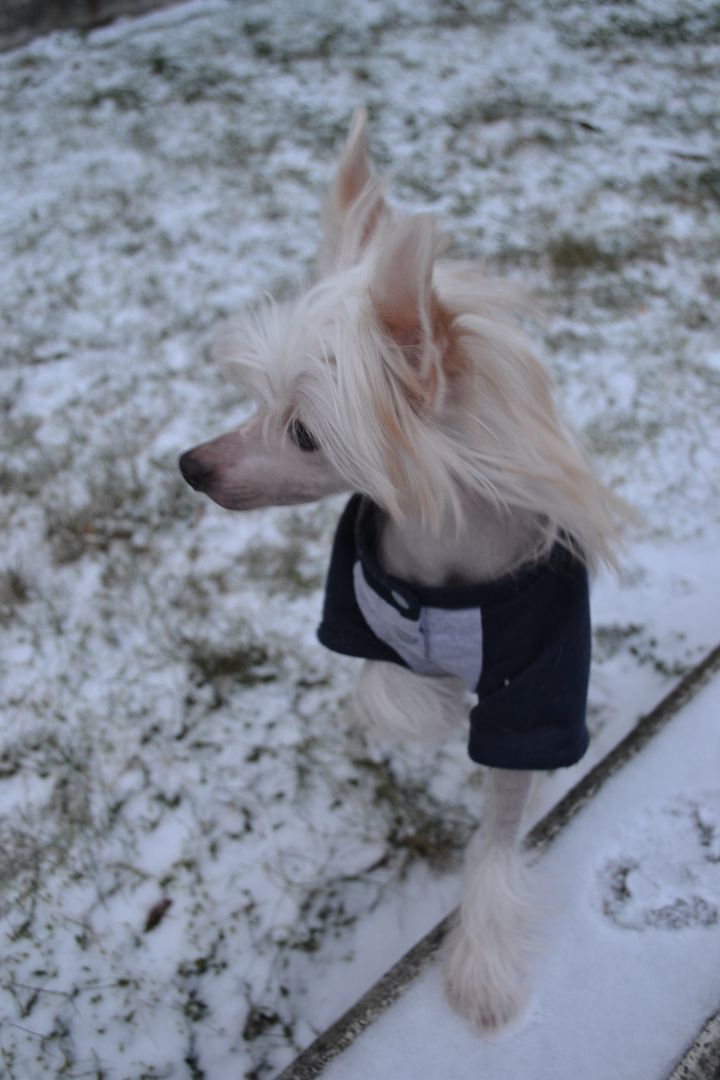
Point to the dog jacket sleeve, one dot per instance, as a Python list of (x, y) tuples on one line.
[(522, 643)]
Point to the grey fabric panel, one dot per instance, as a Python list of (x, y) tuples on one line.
[(456, 641), (440, 642)]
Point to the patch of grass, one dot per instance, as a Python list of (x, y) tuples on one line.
[(26, 465), (15, 591), (244, 663), (51, 833), (281, 567), (322, 913), (161, 65), (420, 828), (26, 476), (103, 517), (610, 436), (464, 205), (306, 524), (455, 14), (501, 104), (694, 316), (118, 506), (190, 974), (543, 138), (707, 184), (711, 285), (572, 255), (125, 98), (688, 187), (419, 184), (206, 81), (648, 655), (685, 27), (610, 639), (619, 294), (259, 1020), (192, 1059)]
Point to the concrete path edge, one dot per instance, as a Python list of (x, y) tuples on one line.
[(702, 1061), (310, 1063)]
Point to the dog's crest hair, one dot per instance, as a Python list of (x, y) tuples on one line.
[(411, 375)]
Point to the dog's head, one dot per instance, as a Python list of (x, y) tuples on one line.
[(355, 381), (399, 375)]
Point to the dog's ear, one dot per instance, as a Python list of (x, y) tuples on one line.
[(354, 205), (402, 294), (354, 169)]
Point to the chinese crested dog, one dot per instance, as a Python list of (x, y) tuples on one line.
[(461, 561)]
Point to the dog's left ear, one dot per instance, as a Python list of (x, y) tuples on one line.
[(406, 305), (353, 206)]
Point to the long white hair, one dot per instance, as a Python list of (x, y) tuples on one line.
[(413, 378)]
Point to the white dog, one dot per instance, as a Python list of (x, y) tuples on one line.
[(460, 563)]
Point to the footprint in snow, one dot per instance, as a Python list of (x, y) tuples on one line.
[(667, 876)]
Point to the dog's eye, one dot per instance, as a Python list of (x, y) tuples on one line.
[(302, 437)]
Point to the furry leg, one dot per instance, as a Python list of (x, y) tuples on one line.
[(487, 949), (396, 703)]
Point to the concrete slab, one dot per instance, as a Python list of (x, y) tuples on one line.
[(702, 1061), (593, 974)]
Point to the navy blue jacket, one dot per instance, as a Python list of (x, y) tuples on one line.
[(532, 689)]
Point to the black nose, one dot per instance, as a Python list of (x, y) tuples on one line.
[(197, 474)]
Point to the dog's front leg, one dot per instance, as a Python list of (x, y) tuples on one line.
[(487, 949)]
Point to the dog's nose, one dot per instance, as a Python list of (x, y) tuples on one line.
[(197, 473)]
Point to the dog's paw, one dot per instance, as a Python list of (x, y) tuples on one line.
[(483, 983)]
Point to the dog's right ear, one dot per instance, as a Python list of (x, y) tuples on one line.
[(354, 205)]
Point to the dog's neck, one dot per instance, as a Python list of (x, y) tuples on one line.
[(486, 546)]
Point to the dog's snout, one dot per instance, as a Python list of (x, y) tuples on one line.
[(197, 473)]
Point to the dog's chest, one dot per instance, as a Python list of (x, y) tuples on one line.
[(431, 640)]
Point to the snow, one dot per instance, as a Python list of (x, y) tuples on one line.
[(631, 963), (172, 731)]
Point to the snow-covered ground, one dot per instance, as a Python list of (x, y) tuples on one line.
[(631, 966), (201, 866)]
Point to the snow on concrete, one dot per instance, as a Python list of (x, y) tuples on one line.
[(631, 963)]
